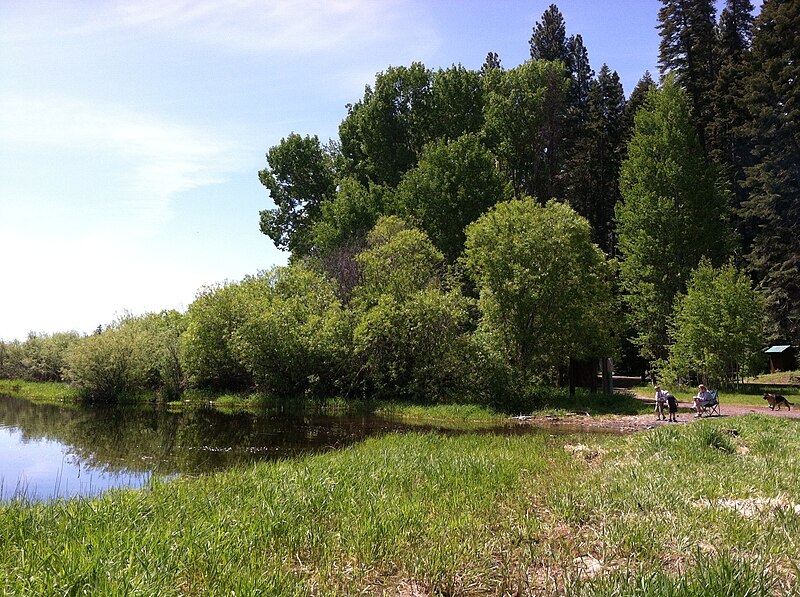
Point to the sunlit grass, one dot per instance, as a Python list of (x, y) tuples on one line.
[(40, 391), (672, 511)]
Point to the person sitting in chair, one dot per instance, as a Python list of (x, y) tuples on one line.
[(703, 399)]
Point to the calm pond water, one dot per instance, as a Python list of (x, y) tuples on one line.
[(51, 451)]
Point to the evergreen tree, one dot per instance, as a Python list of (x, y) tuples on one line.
[(772, 97), (549, 38), (635, 101), (593, 172), (673, 213), (581, 77), (730, 149), (687, 49), (550, 42), (492, 62)]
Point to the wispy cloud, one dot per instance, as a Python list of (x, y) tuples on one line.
[(286, 26), (157, 159)]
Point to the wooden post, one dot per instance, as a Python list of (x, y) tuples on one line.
[(607, 368)]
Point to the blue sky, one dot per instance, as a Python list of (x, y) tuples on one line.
[(132, 133)]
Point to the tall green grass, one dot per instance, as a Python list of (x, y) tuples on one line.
[(664, 512)]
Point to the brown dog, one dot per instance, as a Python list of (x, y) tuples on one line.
[(776, 400)]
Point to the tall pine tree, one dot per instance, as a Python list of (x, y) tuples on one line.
[(549, 38), (729, 148), (687, 49), (635, 101), (549, 41), (772, 96), (593, 172)]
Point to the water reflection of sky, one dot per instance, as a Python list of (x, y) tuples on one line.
[(41, 469)]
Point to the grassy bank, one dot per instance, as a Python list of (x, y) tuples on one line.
[(540, 401), (698, 509), (40, 391)]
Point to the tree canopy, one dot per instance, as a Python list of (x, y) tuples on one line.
[(505, 217)]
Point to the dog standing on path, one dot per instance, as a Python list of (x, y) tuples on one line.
[(776, 400)]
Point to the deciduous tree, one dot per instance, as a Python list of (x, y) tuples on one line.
[(452, 185), (525, 109), (717, 327), (299, 179), (545, 291), (674, 212)]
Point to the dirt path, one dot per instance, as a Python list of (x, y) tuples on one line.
[(631, 423)]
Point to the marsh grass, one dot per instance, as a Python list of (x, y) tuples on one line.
[(664, 512)]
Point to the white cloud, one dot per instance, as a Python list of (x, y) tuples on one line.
[(287, 26), (157, 159), (281, 25)]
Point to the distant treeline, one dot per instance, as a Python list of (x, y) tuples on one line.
[(469, 232)]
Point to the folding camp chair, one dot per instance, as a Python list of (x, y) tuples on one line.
[(711, 407)]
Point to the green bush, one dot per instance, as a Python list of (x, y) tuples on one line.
[(108, 364), (212, 319), (293, 337)]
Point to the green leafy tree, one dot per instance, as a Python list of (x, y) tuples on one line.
[(107, 366), (772, 211), (674, 212), (452, 185), (687, 50), (300, 178), (545, 292), (399, 260), (458, 100), (416, 348), (524, 127), (161, 333), (348, 217), (384, 133), (11, 357), (43, 355), (716, 328)]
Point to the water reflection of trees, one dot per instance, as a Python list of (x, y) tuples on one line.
[(193, 440)]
